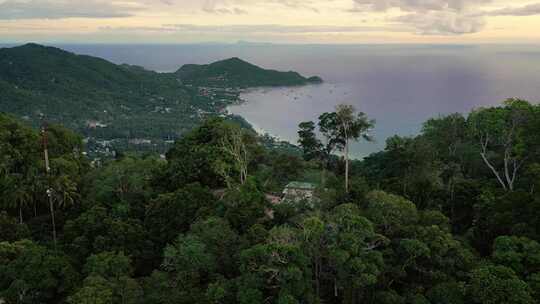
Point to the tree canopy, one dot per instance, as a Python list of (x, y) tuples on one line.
[(449, 216)]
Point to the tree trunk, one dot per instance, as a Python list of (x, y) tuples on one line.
[(510, 177), (452, 189), (350, 295), (51, 206), (317, 279), (323, 177), (20, 214), (347, 165), (490, 166), (49, 190), (324, 164)]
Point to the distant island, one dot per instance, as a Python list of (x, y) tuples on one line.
[(236, 73), (124, 107)]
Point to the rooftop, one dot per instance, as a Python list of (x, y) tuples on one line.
[(301, 185)]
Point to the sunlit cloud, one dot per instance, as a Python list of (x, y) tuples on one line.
[(418, 5), (289, 20), (49, 9), (527, 10), (443, 23), (432, 17)]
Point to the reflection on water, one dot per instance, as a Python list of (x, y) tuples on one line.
[(400, 90)]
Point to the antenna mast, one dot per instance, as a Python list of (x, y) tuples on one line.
[(48, 173)]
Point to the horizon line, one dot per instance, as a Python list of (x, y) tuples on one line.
[(254, 43)]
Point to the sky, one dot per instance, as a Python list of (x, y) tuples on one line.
[(274, 21)]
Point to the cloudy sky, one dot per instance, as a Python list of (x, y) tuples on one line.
[(279, 21)]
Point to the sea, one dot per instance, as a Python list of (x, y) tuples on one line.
[(398, 85)]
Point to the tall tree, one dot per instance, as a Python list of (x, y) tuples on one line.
[(233, 144), (116, 269), (18, 159), (31, 273), (352, 256), (95, 290), (62, 153), (448, 137), (311, 146), (500, 134), (344, 125), (314, 243), (19, 195), (498, 285), (280, 268)]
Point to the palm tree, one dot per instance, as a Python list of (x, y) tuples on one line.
[(21, 197), (64, 191), (17, 194)]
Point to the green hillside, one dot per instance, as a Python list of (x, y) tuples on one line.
[(121, 104), (235, 72), (75, 90)]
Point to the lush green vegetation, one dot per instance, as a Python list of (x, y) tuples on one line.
[(236, 73), (449, 216), (120, 107)]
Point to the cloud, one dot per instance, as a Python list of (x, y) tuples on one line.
[(231, 11), (238, 6), (253, 29), (417, 5), (422, 17), (527, 10), (230, 6), (431, 17), (58, 9), (443, 23), (298, 4)]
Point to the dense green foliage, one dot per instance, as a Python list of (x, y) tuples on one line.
[(120, 107), (449, 216)]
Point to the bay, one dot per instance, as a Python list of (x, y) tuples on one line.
[(399, 85)]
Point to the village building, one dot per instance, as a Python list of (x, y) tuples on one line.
[(294, 192), (92, 124), (299, 191), (140, 141)]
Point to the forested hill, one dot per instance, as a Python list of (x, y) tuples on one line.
[(235, 72), (432, 219), (81, 91), (37, 77), (120, 104)]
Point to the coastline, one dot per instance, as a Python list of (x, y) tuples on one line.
[(280, 109), (253, 126)]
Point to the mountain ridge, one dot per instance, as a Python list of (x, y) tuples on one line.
[(235, 72)]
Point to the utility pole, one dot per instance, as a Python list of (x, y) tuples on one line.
[(48, 173)]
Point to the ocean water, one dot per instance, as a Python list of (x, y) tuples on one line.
[(400, 86)]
